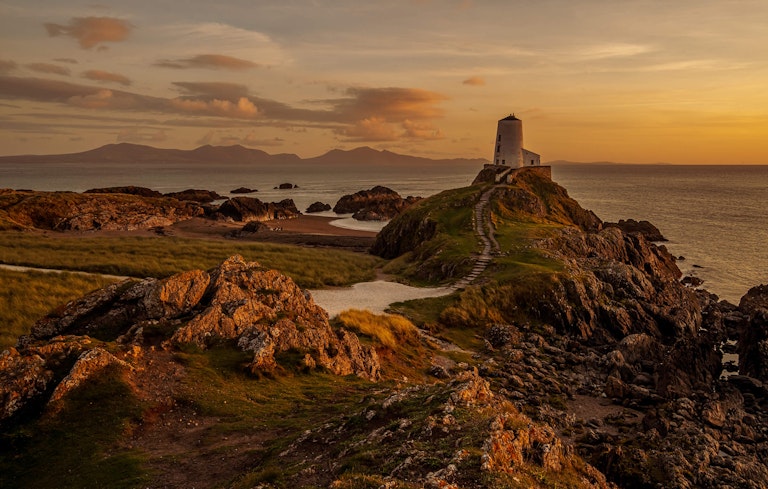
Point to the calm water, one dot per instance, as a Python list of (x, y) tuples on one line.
[(715, 216)]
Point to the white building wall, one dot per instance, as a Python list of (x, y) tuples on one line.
[(508, 147), (530, 158)]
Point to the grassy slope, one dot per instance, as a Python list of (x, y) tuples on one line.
[(27, 296), (160, 257)]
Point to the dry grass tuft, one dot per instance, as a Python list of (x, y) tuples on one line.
[(390, 330)]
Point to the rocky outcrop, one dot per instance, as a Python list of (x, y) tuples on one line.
[(318, 207), (69, 211), (377, 204), (243, 190), (246, 209), (130, 189), (196, 195), (88, 364), (260, 311), (286, 186), (753, 333), (645, 228)]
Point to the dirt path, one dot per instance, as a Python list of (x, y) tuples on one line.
[(18, 268)]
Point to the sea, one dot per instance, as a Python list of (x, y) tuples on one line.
[(714, 216)]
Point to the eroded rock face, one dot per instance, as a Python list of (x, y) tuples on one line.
[(69, 211), (377, 204), (644, 228), (247, 209), (238, 303)]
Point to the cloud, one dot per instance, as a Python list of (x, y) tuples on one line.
[(361, 114), (48, 68), (92, 31), (222, 90), (371, 129), (415, 130), (474, 81), (242, 109), (105, 76), (7, 65), (388, 104), (209, 61), (613, 50), (71, 61)]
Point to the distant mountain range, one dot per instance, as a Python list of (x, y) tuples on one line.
[(126, 153)]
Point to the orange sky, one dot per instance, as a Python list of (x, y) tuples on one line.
[(595, 80)]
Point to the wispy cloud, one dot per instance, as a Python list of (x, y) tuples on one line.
[(223, 90), (92, 31), (48, 68), (612, 50), (208, 61), (474, 81), (105, 76)]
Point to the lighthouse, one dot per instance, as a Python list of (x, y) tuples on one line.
[(508, 146)]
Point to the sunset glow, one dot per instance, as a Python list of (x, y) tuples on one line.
[(642, 81)]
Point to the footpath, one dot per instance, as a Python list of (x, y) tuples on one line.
[(481, 220)]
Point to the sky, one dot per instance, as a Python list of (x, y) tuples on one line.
[(635, 81)]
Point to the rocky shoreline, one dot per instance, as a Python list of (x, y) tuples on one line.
[(132, 208), (577, 359)]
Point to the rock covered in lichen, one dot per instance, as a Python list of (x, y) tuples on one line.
[(238, 303)]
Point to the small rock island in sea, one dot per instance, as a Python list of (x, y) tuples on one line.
[(570, 355)]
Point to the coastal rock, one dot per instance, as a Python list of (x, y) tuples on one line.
[(243, 190), (286, 186), (318, 207), (22, 378), (753, 333), (88, 364), (130, 189), (69, 211), (645, 228), (237, 301), (247, 209), (196, 195), (379, 203)]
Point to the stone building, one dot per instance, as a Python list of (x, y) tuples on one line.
[(508, 146)]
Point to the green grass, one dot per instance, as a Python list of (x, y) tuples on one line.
[(27, 296), (448, 254), (72, 450), (163, 256)]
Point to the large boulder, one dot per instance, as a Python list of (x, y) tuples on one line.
[(247, 209), (377, 204), (645, 228), (318, 207)]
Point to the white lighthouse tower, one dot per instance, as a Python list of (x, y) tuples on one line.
[(508, 146)]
